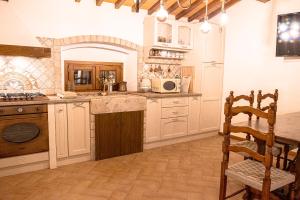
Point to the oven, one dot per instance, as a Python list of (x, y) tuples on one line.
[(23, 130)]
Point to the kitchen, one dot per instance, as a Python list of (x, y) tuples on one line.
[(69, 64)]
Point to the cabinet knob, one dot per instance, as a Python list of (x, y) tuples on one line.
[(19, 110)]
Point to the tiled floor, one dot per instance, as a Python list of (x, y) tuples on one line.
[(186, 171)]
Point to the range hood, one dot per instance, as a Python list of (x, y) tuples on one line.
[(27, 51)]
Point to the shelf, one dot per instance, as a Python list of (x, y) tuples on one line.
[(27, 51), (161, 57)]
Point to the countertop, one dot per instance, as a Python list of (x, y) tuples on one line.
[(86, 97), (166, 95)]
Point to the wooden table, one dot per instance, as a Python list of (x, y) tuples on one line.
[(287, 131)]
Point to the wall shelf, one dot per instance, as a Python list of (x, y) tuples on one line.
[(27, 51)]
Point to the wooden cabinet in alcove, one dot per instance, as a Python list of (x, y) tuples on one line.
[(118, 134), (81, 76)]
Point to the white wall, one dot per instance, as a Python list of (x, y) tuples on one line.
[(250, 61), (21, 21), (104, 53)]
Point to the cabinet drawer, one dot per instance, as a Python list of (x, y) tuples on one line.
[(174, 127), (171, 102), (175, 112)]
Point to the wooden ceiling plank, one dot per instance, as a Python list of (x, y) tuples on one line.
[(211, 7), (154, 8), (119, 3), (142, 2), (227, 5), (175, 5), (99, 2), (185, 12)]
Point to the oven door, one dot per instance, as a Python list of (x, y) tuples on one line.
[(23, 134)]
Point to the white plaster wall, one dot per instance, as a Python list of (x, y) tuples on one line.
[(21, 21), (250, 61), (104, 53)]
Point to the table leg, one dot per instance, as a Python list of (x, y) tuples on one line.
[(297, 170)]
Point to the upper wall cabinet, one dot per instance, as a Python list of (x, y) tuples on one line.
[(167, 35)]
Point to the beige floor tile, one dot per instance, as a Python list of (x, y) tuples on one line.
[(186, 171)]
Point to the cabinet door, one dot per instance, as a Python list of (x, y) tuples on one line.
[(153, 117), (132, 132), (78, 128), (194, 115), (214, 45), (174, 127), (164, 34), (184, 36), (61, 130), (107, 135), (80, 76), (212, 79)]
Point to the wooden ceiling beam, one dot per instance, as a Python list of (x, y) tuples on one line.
[(175, 5), (211, 7), (142, 2), (99, 2), (119, 3), (193, 7), (264, 1), (228, 4), (77, 1), (154, 8)]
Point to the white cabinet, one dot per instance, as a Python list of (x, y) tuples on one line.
[(174, 127), (72, 129), (153, 117), (194, 115), (170, 34), (61, 130), (211, 88), (184, 36), (78, 128)]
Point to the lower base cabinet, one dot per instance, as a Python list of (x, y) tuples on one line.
[(118, 134)]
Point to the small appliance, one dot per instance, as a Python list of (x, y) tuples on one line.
[(161, 85)]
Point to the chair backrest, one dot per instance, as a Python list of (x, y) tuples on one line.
[(267, 137), (261, 97), (250, 99)]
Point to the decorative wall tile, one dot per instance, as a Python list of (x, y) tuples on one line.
[(18, 74)]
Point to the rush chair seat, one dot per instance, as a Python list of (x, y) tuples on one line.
[(248, 143), (257, 174)]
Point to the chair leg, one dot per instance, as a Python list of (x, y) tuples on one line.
[(285, 156), (292, 191), (278, 161), (223, 183)]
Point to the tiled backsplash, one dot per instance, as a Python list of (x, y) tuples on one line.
[(18, 74)]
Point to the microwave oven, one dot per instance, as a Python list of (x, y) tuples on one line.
[(161, 85)]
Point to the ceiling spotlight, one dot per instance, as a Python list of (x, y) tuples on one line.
[(295, 26), (294, 33), (224, 16), (223, 19), (162, 14), (205, 25), (285, 36), (282, 27)]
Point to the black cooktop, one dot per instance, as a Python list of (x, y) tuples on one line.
[(22, 96)]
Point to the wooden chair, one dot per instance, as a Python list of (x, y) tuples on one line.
[(286, 147), (248, 143), (258, 173)]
